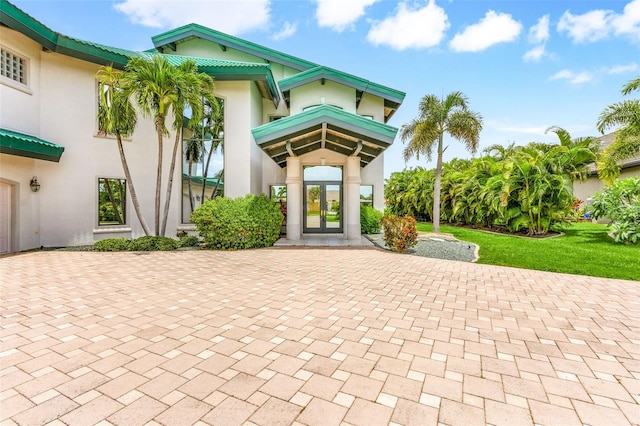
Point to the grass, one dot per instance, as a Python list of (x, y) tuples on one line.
[(584, 249)]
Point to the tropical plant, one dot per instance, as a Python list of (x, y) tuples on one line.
[(192, 88), (117, 117), (620, 202), (436, 117), (624, 115), (159, 89), (400, 233), (369, 220), (241, 223)]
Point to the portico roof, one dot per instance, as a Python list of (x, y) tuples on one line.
[(15, 143), (327, 127)]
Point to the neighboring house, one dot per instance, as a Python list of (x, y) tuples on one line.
[(289, 125), (584, 191)]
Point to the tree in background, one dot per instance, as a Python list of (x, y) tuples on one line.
[(626, 115), (437, 116)]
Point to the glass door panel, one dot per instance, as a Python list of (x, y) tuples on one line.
[(333, 214), (313, 210)]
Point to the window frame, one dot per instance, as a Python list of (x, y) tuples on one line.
[(99, 223), (364, 201), (23, 86)]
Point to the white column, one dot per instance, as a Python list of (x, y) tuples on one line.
[(294, 198), (353, 198)]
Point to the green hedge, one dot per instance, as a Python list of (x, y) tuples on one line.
[(370, 220), (147, 243), (242, 223)]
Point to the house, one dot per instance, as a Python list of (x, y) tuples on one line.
[(314, 135), (584, 191)]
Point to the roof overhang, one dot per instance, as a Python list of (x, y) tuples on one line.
[(169, 39), (15, 143), (325, 127), (392, 98)]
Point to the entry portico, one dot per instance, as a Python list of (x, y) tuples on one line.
[(323, 149)]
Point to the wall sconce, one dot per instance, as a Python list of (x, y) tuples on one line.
[(197, 197), (34, 184)]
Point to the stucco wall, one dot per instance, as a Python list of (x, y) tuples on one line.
[(588, 188), (373, 106), (316, 93)]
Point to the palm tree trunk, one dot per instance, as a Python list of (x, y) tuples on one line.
[(132, 190), (205, 170), (215, 189), (190, 185), (172, 168), (436, 189), (159, 123), (112, 199)]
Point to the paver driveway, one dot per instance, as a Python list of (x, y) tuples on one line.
[(311, 336)]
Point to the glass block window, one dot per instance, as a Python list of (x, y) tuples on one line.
[(14, 67)]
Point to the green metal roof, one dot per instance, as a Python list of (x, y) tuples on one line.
[(15, 143), (327, 127), (101, 54), (198, 180), (198, 31), (360, 84)]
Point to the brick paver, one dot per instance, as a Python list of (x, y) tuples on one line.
[(311, 336)]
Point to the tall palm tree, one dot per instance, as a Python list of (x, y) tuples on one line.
[(152, 84), (437, 116), (117, 116), (213, 126), (192, 88), (626, 116)]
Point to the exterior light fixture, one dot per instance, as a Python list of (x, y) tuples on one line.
[(34, 184)]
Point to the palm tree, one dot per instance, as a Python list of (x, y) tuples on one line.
[(436, 117), (194, 149), (117, 116), (626, 115), (573, 155), (213, 125), (192, 88)]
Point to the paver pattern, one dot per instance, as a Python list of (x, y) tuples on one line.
[(311, 336)]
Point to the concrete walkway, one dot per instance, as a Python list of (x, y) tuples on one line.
[(311, 336)]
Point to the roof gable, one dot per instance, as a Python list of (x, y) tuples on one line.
[(186, 32)]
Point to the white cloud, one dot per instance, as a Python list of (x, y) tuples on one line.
[(629, 22), (534, 54), (340, 14), (288, 29), (539, 33), (233, 17), (572, 77), (494, 28), (411, 27), (599, 24), (622, 69)]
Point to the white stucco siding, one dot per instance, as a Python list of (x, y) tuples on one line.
[(257, 156), (237, 136), (373, 174), (587, 189), (316, 93), (372, 106), (20, 104), (25, 204)]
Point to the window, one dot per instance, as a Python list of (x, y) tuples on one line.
[(367, 116), (279, 193), (366, 195), (273, 118), (112, 201), (203, 159), (13, 67)]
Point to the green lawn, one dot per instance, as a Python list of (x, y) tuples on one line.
[(584, 249)]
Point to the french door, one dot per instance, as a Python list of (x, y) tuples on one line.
[(322, 207)]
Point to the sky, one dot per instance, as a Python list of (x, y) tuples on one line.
[(524, 65)]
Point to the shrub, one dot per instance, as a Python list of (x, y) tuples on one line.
[(153, 243), (400, 232), (112, 244), (241, 223), (369, 220), (189, 241), (620, 202)]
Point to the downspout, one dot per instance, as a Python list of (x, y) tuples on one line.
[(289, 150), (358, 149)]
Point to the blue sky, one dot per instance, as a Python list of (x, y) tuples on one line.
[(524, 65)]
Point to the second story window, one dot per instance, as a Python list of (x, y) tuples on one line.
[(13, 67)]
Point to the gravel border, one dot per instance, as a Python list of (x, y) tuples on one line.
[(436, 246)]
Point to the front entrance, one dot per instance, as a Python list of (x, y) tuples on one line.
[(322, 207)]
